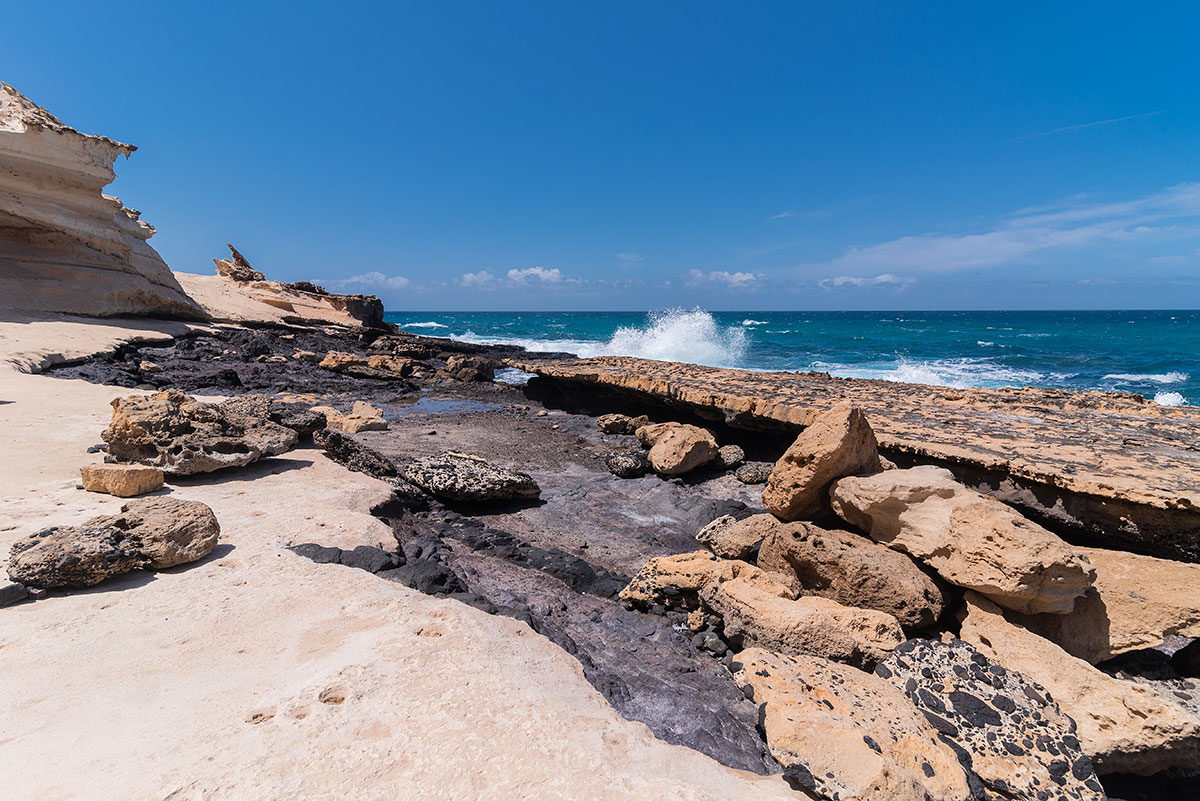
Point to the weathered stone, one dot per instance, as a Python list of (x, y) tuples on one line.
[(852, 570), (755, 617), (754, 472), (677, 448), (838, 443), (148, 533), (12, 592), (627, 464), (842, 733), (1008, 733), (1136, 602), (462, 477), (184, 436), (970, 539), (66, 246), (352, 454), (729, 457), (236, 268), (1124, 727), (471, 368), (730, 538), (676, 581), (362, 417), (249, 409), (378, 366), (122, 480), (621, 423)]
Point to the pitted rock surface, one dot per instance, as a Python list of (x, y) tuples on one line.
[(462, 477), (1014, 741)]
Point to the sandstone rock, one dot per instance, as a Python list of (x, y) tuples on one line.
[(148, 533), (66, 246), (461, 477), (1007, 732), (676, 581), (730, 538), (122, 480), (1124, 727), (970, 539), (754, 473), (627, 464), (12, 592), (842, 733), (236, 268), (361, 417), (183, 436), (471, 368), (250, 408), (838, 443), (754, 617), (308, 356), (1136, 602), (621, 423), (852, 570), (729, 457), (378, 366), (678, 448)]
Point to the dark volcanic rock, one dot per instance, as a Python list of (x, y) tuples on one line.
[(627, 464), (471, 368), (1008, 733), (349, 452), (11, 592), (754, 472), (364, 557), (461, 477), (250, 409)]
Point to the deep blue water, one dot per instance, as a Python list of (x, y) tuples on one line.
[(1153, 353)]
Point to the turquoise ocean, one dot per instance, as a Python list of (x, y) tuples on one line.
[(1153, 353)]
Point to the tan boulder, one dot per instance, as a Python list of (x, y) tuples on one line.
[(852, 570), (362, 417), (122, 480), (839, 443), (679, 448), (676, 580), (970, 539), (730, 538), (843, 733), (755, 617), (1136, 602), (648, 434), (1124, 727), (377, 366), (621, 423)]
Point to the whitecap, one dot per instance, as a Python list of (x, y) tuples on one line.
[(429, 324), (1169, 399), (1173, 377), (754, 322), (511, 375)]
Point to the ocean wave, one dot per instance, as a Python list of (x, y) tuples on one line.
[(954, 373), (1169, 399), (754, 322), (674, 335), (424, 325), (1173, 377)]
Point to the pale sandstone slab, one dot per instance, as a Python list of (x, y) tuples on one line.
[(970, 539), (730, 538), (1124, 727), (676, 580), (362, 416), (122, 480)]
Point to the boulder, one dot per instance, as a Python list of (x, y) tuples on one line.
[(852, 570), (729, 457), (236, 268), (471, 368), (250, 408), (380, 366), (362, 417), (462, 477), (839, 443), (183, 436), (621, 423), (627, 464), (755, 617), (122, 480), (649, 433), (679, 448), (148, 533), (1010, 736), (12, 592), (730, 538), (971, 540), (753, 472), (1136, 602), (676, 581), (1124, 727), (352, 454), (842, 733)]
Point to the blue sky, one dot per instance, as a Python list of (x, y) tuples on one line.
[(634, 155)]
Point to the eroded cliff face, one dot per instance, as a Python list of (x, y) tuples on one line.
[(65, 246)]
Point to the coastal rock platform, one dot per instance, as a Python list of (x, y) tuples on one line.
[(1103, 468)]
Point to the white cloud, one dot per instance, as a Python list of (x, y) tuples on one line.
[(476, 280), (628, 259), (530, 275), (732, 280), (883, 280), (371, 280), (782, 215), (1074, 224)]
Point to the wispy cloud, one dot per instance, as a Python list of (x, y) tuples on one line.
[(477, 280), (539, 275), (783, 215), (1084, 126), (373, 280), (733, 280), (1076, 223), (850, 281), (629, 259)]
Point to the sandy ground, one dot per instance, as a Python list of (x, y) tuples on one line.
[(258, 674)]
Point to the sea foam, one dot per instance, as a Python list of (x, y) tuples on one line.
[(1169, 399), (1173, 377)]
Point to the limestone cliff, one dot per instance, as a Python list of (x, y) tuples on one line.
[(64, 245)]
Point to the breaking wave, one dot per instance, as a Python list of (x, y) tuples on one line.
[(1173, 377), (955, 373), (1169, 399), (424, 325)]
